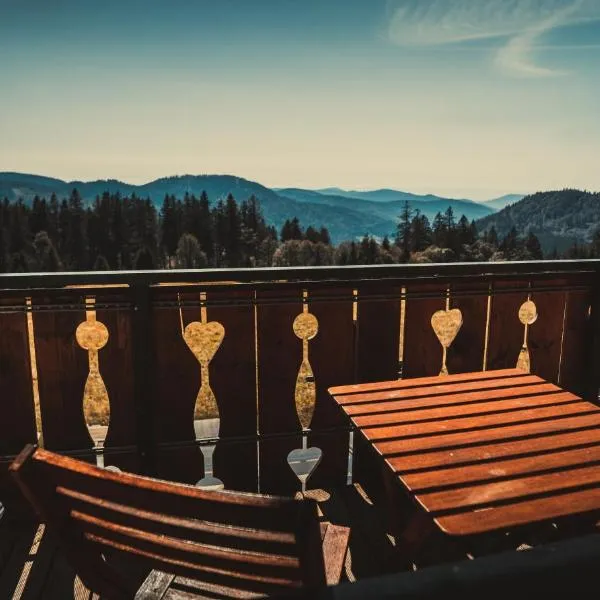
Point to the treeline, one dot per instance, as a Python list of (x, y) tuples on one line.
[(578, 251), (115, 233), (129, 233)]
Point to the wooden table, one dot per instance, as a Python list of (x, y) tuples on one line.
[(482, 452)]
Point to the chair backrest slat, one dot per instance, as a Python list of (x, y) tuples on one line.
[(252, 543)]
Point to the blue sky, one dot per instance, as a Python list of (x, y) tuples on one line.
[(471, 98)]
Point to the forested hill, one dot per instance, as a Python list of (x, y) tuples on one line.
[(558, 218), (344, 222), (348, 215)]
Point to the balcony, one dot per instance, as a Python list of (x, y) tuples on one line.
[(106, 367)]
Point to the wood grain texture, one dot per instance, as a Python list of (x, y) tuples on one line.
[(341, 391), (62, 371), (17, 425), (378, 333), (466, 352), (247, 543), (494, 406), (545, 335), (116, 368), (577, 503), (479, 461), (454, 400), (233, 380), (176, 384), (440, 391), (422, 349), (567, 422), (506, 331), (17, 420), (576, 365), (279, 357), (332, 354), (487, 421), (488, 453)]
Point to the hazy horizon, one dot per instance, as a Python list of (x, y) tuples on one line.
[(464, 99)]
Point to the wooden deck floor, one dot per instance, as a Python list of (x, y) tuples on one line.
[(32, 566)]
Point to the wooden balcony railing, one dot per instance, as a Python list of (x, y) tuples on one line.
[(148, 361)]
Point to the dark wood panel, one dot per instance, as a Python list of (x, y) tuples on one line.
[(576, 367), (176, 384), (466, 352), (332, 354), (545, 335), (116, 368), (422, 349), (17, 421), (63, 368), (233, 381), (378, 333), (506, 331), (279, 358)]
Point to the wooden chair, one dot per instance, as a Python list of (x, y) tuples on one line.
[(230, 544)]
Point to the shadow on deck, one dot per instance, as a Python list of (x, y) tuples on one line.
[(33, 567)]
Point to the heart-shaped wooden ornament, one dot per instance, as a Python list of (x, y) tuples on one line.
[(304, 461), (204, 339), (446, 325)]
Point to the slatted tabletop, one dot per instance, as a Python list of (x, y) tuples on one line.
[(481, 452)]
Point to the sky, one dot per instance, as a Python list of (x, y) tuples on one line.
[(462, 98)]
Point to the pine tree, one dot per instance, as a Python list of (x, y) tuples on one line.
[(420, 232), (75, 244), (440, 231), (533, 246), (233, 243), (189, 255), (38, 218), (53, 208), (465, 233), (101, 264), (205, 233), (45, 257), (404, 234), (170, 224), (312, 235)]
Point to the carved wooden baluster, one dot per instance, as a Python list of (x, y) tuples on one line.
[(528, 316), (446, 325), (92, 335), (305, 327), (204, 338)]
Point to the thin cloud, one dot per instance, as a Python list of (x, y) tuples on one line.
[(521, 22)]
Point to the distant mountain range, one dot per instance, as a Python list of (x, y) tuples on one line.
[(347, 214), (504, 201), (558, 218)]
